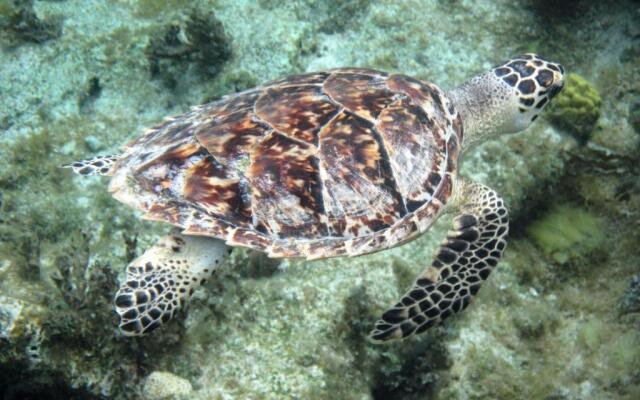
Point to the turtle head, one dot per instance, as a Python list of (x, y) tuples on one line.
[(531, 82), (508, 98)]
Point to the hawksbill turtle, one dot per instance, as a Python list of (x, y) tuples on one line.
[(342, 162)]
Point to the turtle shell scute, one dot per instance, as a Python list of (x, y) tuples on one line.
[(341, 162)]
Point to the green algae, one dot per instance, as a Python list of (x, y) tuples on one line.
[(592, 334), (630, 301), (341, 14), (230, 82), (577, 107), (151, 9), (535, 321), (565, 233), (7, 9), (199, 40), (33, 217), (634, 116), (20, 24), (404, 274)]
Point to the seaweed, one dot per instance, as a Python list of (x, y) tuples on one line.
[(415, 371), (20, 23), (81, 311), (341, 14), (32, 217), (154, 9), (634, 116), (83, 285), (199, 40), (230, 82)]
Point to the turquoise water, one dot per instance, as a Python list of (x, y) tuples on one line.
[(558, 319)]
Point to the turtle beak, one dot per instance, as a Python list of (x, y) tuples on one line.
[(558, 81), (555, 89)]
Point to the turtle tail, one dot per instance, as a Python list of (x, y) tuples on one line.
[(99, 165)]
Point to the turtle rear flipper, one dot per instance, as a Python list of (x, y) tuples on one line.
[(162, 280), (99, 165), (463, 262)]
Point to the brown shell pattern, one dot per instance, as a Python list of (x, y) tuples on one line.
[(343, 162)]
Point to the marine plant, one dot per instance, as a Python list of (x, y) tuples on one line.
[(153, 9), (630, 301), (634, 116), (566, 233), (19, 24), (199, 39), (577, 108)]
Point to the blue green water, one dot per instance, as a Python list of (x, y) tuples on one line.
[(558, 319)]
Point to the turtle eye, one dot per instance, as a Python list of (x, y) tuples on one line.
[(545, 78)]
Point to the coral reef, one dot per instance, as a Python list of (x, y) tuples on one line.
[(19, 23), (634, 113), (630, 302), (198, 39), (340, 14), (577, 108), (565, 232), (557, 319), (160, 385)]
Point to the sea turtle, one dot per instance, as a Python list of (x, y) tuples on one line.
[(342, 162)]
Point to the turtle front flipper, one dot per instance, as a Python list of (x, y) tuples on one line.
[(463, 262), (162, 280), (99, 165)]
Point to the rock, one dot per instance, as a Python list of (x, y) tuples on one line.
[(199, 39), (634, 116), (161, 385), (20, 24), (630, 301), (10, 311)]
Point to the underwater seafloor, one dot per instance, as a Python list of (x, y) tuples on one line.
[(558, 319)]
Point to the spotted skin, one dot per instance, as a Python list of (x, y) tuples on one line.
[(100, 165), (532, 77), (343, 162), (460, 266), (161, 281)]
